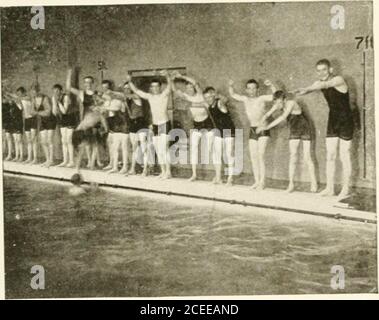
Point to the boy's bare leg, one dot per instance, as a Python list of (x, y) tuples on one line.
[(253, 149), (29, 145), (311, 167), (331, 155), (64, 147), (124, 150), (70, 147), (294, 148), (45, 148), (345, 156), (262, 145), (34, 145)]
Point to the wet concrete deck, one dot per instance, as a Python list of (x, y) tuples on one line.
[(299, 202)]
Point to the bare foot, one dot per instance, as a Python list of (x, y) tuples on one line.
[(99, 164), (261, 186), (314, 187), (70, 165), (45, 164), (89, 166), (63, 164), (230, 181), (124, 170), (168, 176), (35, 161), (8, 158), (144, 173), (193, 178), (112, 171), (27, 161), (327, 193), (132, 172), (290, 188), (344, 193), (216, 180), (108, 167), (255, 185)]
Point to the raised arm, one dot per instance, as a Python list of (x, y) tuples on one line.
[(169, 86), (138, 92), (268, 97), (269, 84), (190, 80), (234, 95), (69, 88)]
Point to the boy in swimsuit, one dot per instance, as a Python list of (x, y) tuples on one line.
[(299, 131), (340, 127), (29, 114), (48, 123), (137, 128), (87, 99), (201, 121), (224, 131), (67, 118), (158, 101), (118, 136), (255, 105)]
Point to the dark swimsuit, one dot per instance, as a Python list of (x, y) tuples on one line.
[(47, 122), (222, 120), (135, 120), (70, 119), (30, 123), (117, 123), (340, 121), (255, 136), (299, 127), (163, 128), (6, 116), (203, 125)]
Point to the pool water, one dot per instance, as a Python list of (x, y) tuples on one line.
[(117, 244)]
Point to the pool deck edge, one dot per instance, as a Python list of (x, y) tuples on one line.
[(298, 202)]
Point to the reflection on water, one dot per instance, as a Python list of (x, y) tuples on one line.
[(109, 244)]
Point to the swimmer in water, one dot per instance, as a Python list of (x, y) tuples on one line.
[(76, 189)]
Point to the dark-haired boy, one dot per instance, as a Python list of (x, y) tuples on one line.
[(255, 106), (68, 118), (158, 101), (340, 127)]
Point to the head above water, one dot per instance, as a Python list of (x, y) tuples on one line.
[(209, 95), (324, 69), (155, 86), (252, 87), (88, 82), (76, 179)]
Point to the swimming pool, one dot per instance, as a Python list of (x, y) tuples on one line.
[(123, 244)]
